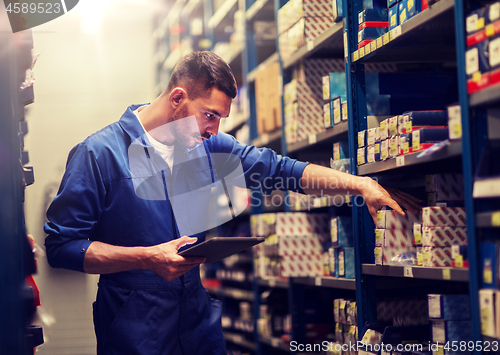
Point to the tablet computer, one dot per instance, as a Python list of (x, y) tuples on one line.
[(218, 248)]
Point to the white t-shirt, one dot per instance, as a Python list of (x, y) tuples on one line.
[(165, 151)]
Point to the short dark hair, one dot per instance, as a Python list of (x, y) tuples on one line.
[(199, 72)]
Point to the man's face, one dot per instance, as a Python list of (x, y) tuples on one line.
[(196, 120)]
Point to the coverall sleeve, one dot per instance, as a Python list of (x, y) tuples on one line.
[(263, 167), (75, 210)]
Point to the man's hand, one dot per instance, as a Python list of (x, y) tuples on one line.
[(376, 196), (165, 261)]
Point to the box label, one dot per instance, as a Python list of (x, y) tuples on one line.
[(494, 52), (471, 61)]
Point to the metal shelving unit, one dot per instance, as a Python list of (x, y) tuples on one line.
[(418, 272), (435, 35)]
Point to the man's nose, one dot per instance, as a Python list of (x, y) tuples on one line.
[(213, 129)]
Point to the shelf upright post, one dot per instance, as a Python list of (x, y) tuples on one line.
[(208, 11), (12, 320), (474, 132), (362, 222)]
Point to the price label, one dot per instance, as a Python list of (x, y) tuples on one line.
[(380, 43), (355, 56), (312, 139), (446, 274), (395, 32), (361, 52), (346, 47), (495, 219), (310, 45), (385, 38), (373, 46), (317, 281), (400, 161), (459, 261), (317, 202), (367, 49), (272, 282), (408, 271)]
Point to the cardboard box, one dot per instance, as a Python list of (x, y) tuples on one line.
[(449, 307), (451, 331), (294, 10), (379, 237), (402, 11), (340, 150), (341, 232), (267, 99), (393, 126), (424, 119), (337, 110), (362, 138), (391, 3), (327, 116), (398, 239), (436, 257), (423, 138), (338, 10), (346, 263), (405, 144), (334, 262), (444, 216), (384, 129), (378, 253), (370, 33), (454, 122), (489, 265), (393, 16), (361, 156), (443, 236), (488, 301), (345, 115), (377, 150), (390, 219), (393, 146), (384, 149), (494, 52), (370, 154), (413, 7), (372, 15), (475, 21), (447, 187)]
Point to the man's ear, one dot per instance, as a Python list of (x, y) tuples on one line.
[(177, 96)]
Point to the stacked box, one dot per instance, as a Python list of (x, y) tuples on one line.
[(403, 312), (294, 10), (341, 150), (297, 224), (334, 262), (334, 86), (489, 264), (402, 11), (327, 117), (419, 119), (336, 112), (488, 306), (361, 156), (308, 87), (443, 236), (393, 16), (346, 263), (451, 331), (390, 219), (445, 187), (436, 256), (301, 266), (444, 216), (267, 98), (449, 307), (362, 138), (338, 10), (454, 122), (344, 111)]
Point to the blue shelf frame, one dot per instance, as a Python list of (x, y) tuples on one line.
[(12, 324)]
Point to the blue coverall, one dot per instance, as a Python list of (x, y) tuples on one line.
[(138, 312)]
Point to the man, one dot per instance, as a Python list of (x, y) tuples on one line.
[(113, 215)]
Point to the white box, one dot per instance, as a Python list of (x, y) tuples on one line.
[(444, 216), (390, 219), (487, 311), (443, 236), (436, 257)]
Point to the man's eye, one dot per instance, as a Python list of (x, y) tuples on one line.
[(210, 115)]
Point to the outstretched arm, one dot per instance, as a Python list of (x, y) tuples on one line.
[(319, 180)]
